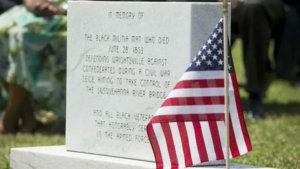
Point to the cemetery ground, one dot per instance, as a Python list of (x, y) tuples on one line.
[(275, 141)]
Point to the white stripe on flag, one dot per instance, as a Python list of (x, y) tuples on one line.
[(193, 75), (199, 92), (202, 109), (222, 134), (192, 142), (162, 145), (237, 125), (178, 144), (208, 141)]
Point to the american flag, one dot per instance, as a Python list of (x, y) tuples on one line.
[(189, 128)]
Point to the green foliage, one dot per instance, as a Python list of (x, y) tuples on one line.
[(275, 141), (24, 140)]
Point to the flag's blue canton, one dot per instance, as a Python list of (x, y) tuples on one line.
[(210, 56)]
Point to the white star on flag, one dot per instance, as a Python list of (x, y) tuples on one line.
[(220, 62), (209, 62), (215, 57), (220, 51), (209, 41), (220, 30), (214, 46), (220, 41), (214, 35), (209, 51)]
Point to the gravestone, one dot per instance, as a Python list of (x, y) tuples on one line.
[(123, 58), (121, 66)]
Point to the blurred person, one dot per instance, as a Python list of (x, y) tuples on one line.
[(30, 46), (258, 22), (4, 6)]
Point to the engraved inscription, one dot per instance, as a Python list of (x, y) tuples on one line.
[(122, 65)]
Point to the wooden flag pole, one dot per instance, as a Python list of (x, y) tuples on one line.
[(225, 43)]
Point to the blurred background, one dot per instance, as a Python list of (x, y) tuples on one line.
[(265, 47)]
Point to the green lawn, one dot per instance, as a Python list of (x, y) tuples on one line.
[(276, 140)]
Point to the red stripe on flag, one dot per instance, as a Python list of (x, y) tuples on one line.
[(200, 142), (232, 139), (216, 139), (200, 83), (155, 147), (240, 112), (188, 117), (170, 143), (185, 144), (184, 101)]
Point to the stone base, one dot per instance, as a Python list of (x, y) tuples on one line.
[(57, 157)]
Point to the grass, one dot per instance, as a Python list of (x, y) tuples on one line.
[(275, 141), (25, 140)]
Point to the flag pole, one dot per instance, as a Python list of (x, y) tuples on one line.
[(225, 43)]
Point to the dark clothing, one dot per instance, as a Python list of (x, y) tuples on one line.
[(7, 4), (259, 24), (292, 2), (287, 55), (261, 21)]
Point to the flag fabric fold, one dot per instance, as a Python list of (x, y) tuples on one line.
[(189, 127)]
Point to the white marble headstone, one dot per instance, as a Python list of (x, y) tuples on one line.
[(123, 60)]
